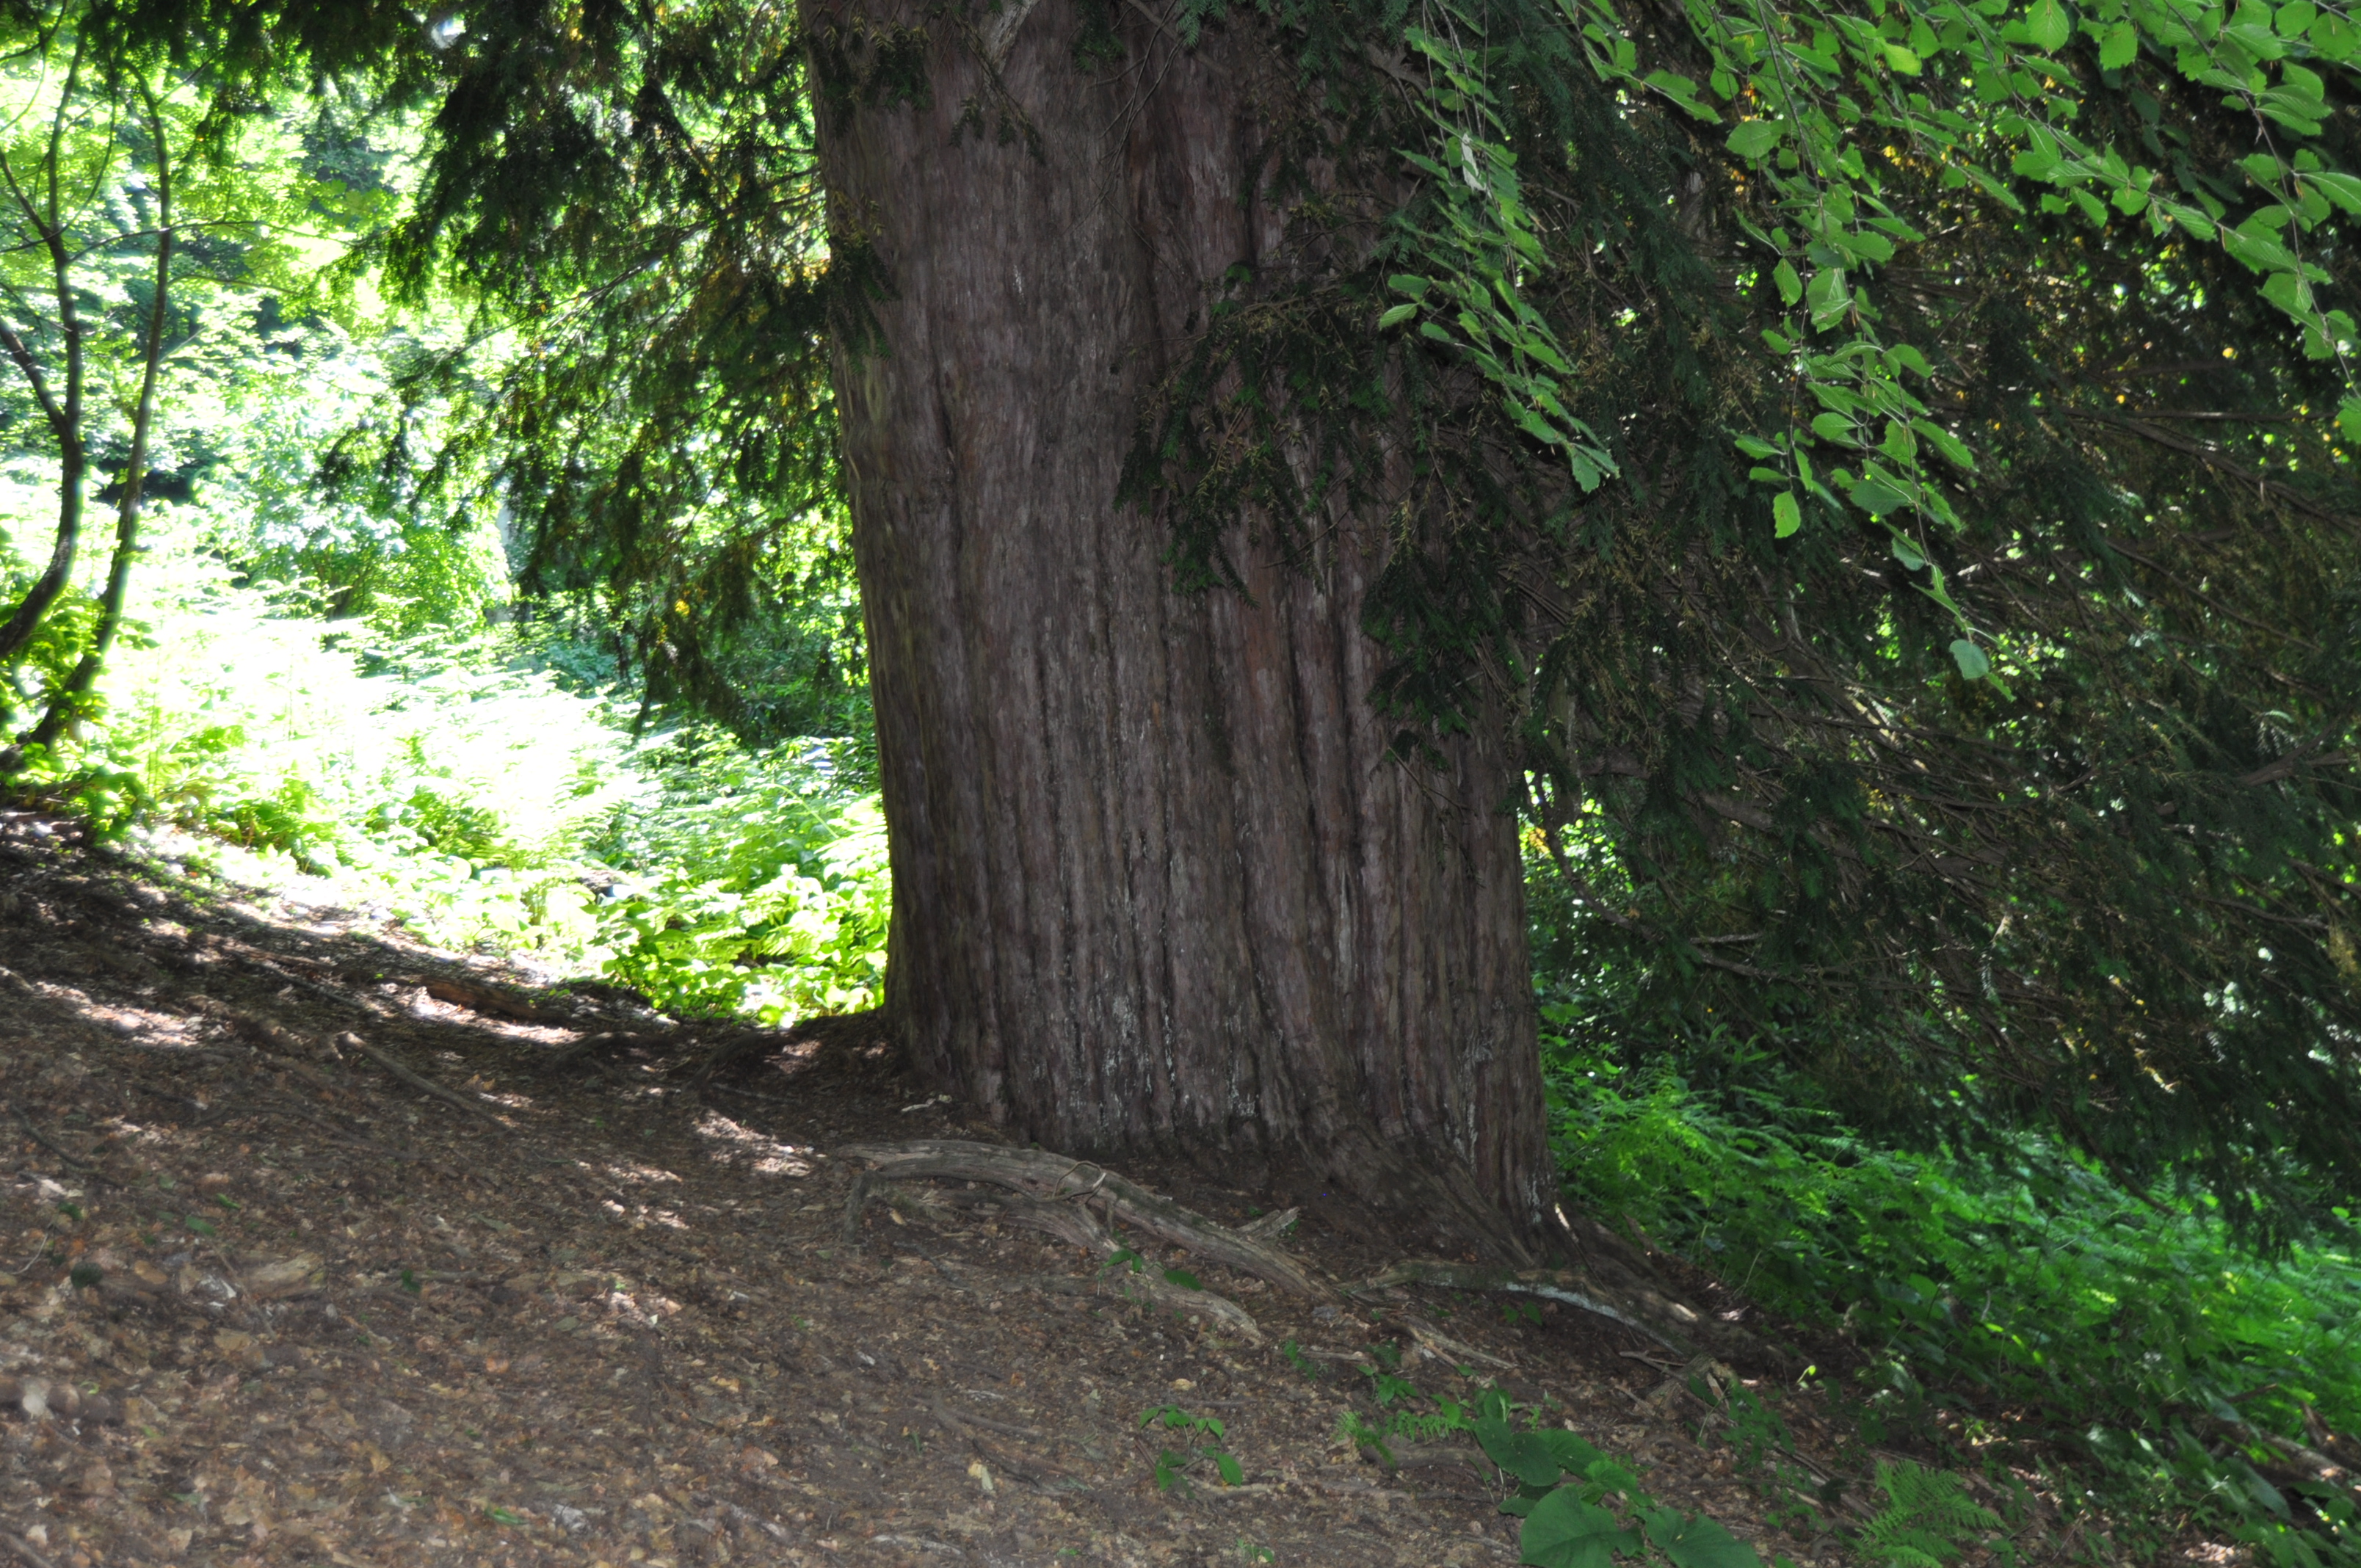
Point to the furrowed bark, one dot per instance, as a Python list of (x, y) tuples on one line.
[(1158, 883)]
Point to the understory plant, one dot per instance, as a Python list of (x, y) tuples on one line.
[(751, 883), (2013, 1294), (461, 782)]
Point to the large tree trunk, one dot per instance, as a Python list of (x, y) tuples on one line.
[(1156, 882)]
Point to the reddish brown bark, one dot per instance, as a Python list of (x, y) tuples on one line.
[(1156, 882)]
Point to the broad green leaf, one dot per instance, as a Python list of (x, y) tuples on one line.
[(1904, 356), (2047, 26), (2119, 45), (1901, 61), (1905, 550), (1398, 313), (1791, 287), (2288, 292), (1970, 659), (2344, 190), (1410, 283), (1183, 1278), (1536, 427), (1521, 1454), (1754, 138), (2348, 419), (1563, 1531), (1827, 297), (2258, 252), (1786, 518), (1233, 1474), (1953, 449), (1697, 1542), (2264, 168), (1876, 496), (1574, 1452)]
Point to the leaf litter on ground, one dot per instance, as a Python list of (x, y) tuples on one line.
[(265, 1299)]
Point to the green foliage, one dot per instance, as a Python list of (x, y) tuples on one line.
[(31, 682), (374, 552), (1565, 1532), (2020, 1287), (628, 208), (458, 782), (1584, 1509), (1170, 1464), (1928, 1519), (752, 884), (1958, 690), (1562, 1480), (1479, 256)]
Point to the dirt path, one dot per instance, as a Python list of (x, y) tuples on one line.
[(262, 1300)]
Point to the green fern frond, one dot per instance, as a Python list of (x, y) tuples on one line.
[(1928, 1520)]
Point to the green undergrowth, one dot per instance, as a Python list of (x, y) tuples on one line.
[(2014, 1309), (1582, 1506), (474, 787)]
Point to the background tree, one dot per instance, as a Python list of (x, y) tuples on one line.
[(644, 387), (144, 212)]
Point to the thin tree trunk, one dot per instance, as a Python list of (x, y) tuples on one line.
[(1158, 884), (73, 466), (68, 698), (64, 418)]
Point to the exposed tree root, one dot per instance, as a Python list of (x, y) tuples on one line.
[(1076, 1226), (1632, 1303), (1443, 1347), (451, 1097), (590, 1048), (499, 1001), (1079, 1202), (1061, 1180), (844, 1033)]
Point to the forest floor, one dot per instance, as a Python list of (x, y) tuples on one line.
[(263, 1301)]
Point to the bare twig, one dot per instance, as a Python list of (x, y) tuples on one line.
[(352, 1042), (951, 1417), (81, 1163), (1632, 1303), (1443, 1346), (25, 1550), (757, 1521)]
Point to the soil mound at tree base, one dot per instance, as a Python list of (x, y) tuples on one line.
[(322, 1247)]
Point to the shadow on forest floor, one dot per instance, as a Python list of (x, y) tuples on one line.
[(266, 1301)]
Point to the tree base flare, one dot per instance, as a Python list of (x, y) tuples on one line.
[(1080, 1202)]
